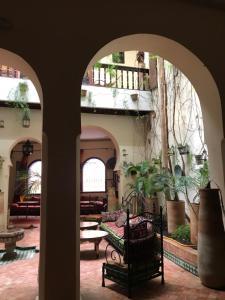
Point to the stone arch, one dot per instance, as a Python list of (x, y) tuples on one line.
[(200, 77)]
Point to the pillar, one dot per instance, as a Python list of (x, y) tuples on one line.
[(59, 273)]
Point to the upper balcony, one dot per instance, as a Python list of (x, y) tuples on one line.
[(113, 86), (107, 86)]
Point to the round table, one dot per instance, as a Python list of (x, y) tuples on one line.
[(88, 225), (9, 237), (93, 236)]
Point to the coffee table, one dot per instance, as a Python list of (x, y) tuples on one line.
[(88, 225), (93, 236)]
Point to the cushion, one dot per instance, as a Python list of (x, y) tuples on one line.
[(137, 231), (142, 249), (110, 216), (121, 220)]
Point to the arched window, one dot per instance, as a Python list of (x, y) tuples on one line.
[(34, 178), (93, 176)]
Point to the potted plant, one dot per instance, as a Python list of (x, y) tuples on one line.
[(173, 186), (200, 181), (183, 149), (134, 97), (141, 175), (19, 99)]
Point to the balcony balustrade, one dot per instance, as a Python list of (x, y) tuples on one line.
[(116, 76)]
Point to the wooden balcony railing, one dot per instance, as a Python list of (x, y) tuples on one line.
[(119, 77)]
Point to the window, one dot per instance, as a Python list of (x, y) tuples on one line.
[(93, 176), (118, 57), (34, 178)]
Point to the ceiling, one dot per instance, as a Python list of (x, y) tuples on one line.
[(93, 133)]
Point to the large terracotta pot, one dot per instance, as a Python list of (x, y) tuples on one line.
[(175, 214), (211, 240), (194, 212)]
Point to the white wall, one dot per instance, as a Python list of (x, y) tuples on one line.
[(10, 135), (125, 131)]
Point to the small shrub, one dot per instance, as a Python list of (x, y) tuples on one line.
[(182, 234)]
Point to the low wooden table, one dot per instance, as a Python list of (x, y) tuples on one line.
[(93, 236), (88, 225)]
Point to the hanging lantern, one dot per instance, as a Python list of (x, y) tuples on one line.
[(26, 121), (27, 148)]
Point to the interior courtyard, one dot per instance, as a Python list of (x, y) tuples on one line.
[(91, 131)]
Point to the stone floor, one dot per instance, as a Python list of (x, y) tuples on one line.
[(18, 280)]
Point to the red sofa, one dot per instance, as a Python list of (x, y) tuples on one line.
[(92, 204), (28, 207)]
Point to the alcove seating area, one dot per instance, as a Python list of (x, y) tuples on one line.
[(92, 204), (25, 206)]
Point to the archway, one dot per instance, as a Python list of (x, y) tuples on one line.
[(98, 143), (15, 61), (200, 78), (23, 184)]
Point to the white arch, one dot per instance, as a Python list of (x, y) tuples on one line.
[(113, 139), (13, 60), (200, 78)]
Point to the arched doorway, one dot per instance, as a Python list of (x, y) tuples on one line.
[(102, 146)]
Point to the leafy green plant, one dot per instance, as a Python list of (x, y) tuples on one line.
[(19, 98), (201, 179), (182, 233), (28, 182), (142, 174)]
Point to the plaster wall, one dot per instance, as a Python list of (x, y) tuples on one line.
[(10, 135), (118, 126), (130, 60), (127, 131)]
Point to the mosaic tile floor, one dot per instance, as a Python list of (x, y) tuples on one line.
[(18, 280)]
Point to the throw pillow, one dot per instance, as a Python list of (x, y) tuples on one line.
[(121, 219), (110, 216), (137, 231)]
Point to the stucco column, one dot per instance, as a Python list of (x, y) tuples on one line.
[(4, 177), (60, 241)]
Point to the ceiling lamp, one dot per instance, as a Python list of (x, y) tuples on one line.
[(28, 148)]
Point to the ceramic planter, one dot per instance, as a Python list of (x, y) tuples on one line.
[(183, 149), (175, 214), (199, 159), (211, 240), (194, 212), (134, 97)]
